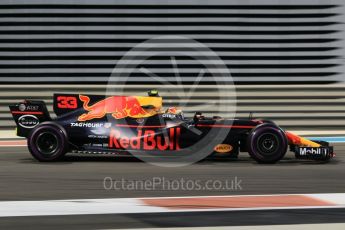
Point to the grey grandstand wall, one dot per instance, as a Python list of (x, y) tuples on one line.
[(285, 57)]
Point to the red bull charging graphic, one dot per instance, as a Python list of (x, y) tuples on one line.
[(120, 107)]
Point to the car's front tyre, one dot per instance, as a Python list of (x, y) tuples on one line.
[(48, 142), (267, 143)]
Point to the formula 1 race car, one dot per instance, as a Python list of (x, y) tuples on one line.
[(124, 125)]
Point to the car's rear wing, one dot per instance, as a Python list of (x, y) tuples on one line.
[(28, 114)]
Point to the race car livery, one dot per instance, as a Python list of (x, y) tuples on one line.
[(130, 124)]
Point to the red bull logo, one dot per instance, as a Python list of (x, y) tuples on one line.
[(146, 140), (118, 106)]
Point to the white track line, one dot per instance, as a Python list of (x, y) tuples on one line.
[(74, 207), (137, 205), (332, 226)]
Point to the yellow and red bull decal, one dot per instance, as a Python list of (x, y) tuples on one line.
[(300, 141), (120, 107)]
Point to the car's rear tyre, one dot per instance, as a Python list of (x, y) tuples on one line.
[(48, 142), (267, 143)]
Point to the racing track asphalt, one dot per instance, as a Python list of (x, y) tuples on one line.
[(81, 177)]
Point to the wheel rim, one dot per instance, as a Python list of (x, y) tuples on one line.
[(47, 143), (267, 144)]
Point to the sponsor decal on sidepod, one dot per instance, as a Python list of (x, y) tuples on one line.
[(146, 140), (223, 148)]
